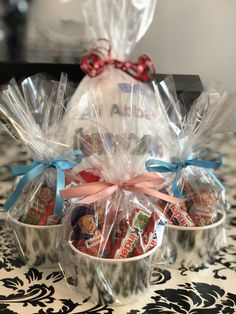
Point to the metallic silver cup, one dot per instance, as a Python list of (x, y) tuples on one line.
[(194, 246), (113, 281), (36, 244)]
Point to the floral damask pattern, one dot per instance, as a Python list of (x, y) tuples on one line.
[(192, 298)]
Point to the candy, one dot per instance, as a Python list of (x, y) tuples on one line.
[(86, 234), (151, 236), (204, 197), (202, 216), (122, 224), (177, 215), (137, 224), (41, 208), (100, 217), (199, 195), (89, 176)]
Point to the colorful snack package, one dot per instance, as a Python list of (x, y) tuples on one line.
[(129, 240), (178, 215), (152, 235), (87, 235)]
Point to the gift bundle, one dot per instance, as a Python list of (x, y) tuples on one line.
[(120, 178), (114, 229), (188, 166), (33, 112), (114, 27)]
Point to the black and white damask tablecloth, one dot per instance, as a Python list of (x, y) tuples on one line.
[(207, 289)]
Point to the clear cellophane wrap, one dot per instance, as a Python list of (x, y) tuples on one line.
[(184, 157), (114, 223), (115, 27), (115, 146), (33, 111)]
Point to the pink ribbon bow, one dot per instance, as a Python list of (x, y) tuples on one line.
[(145, 183)]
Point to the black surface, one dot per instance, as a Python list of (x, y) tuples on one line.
[(20, 70), (188, 87)]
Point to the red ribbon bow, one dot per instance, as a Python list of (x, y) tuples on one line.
[(95, 61)]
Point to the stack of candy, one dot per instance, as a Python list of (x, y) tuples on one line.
[(198, 209), (130, 236)]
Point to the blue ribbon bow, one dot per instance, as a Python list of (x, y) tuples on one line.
[(36, 169), (156, 165)]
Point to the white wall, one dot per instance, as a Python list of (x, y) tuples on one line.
[(194, 37)]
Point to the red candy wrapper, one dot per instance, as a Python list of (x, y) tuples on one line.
[(77, 176), (178, 216), (152, 235), (128, 241)]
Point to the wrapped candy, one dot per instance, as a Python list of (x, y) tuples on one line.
[(185, 159), (114, 228), (34, 110), (87, 233)]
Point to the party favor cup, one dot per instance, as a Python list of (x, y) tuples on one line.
[(36, 244), (114, 281), (194, 246)]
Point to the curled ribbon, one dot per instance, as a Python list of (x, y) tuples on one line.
[(155, 165), (36, 169), (144, 183), (95, 61)]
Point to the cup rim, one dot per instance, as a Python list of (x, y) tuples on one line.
[(17, 222), (112, 260), (195, 228)]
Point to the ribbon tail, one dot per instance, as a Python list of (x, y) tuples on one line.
[(175, 189), (207, 164), (59, 203), (94, 191), (217, 181), (19, 170), (77, 154), (160, 195), (99, 196), (155, 165), (86, 189), (29, 176)]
